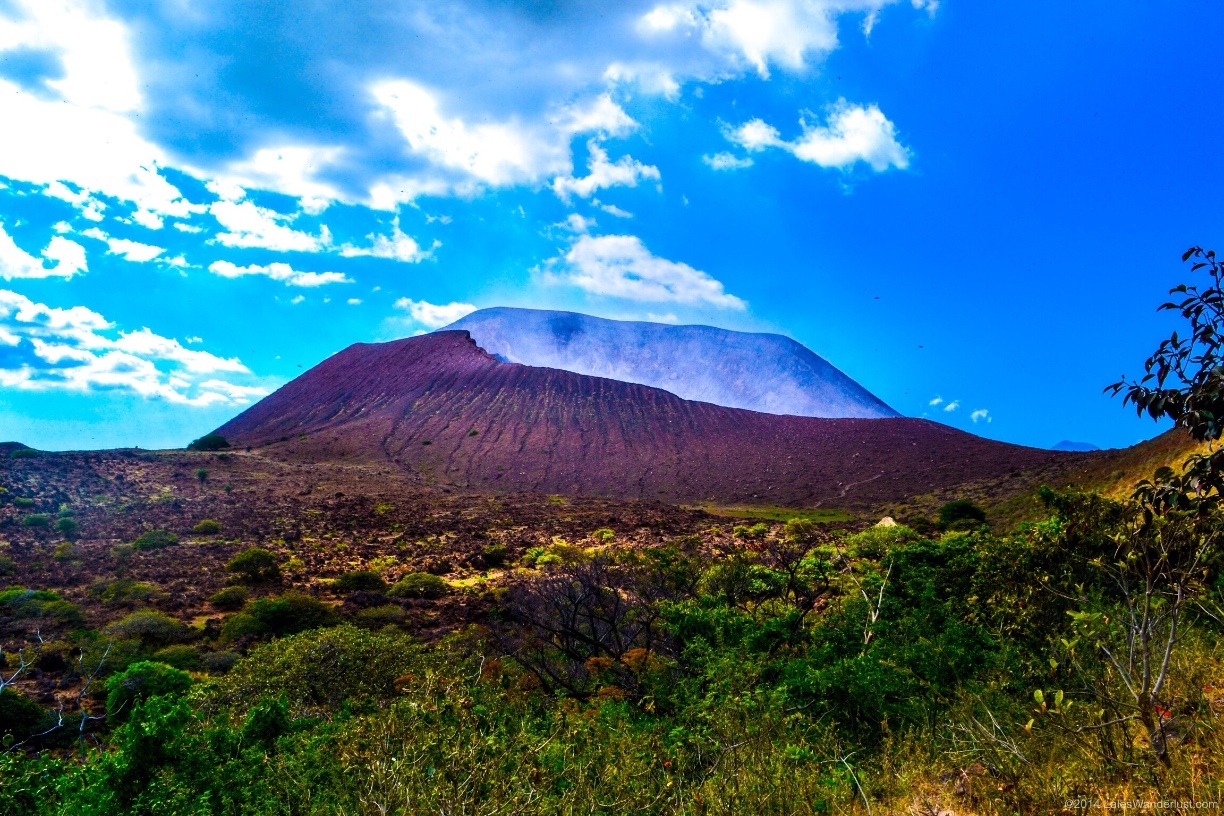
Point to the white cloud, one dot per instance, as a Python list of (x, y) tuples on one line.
[(576, 223), (354, 301), (76, 349), (292, 170), (726, 161), (433, 315), (980, 415), (68, 259), (952, 406), (757, 34), (84, 131), (399, 247), (133, 250), (189, 228), (612, 209), (622, 266), (279, 272), (852, 134), (297, 299), (249, 225), (494, 153), (624, 172), (194, 340), (936, 401)]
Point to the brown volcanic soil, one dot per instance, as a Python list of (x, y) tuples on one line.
[(439, 406)]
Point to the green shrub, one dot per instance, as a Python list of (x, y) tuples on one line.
[(801, 531), (360, 581), (604, 534), (218, 662), (68, 527), (7, 567), (36, 520), (20, 717), (40, 603), (209, 442), (207, 527), (875, 542), (149, 627), (23, 453), (278, 616), (65, 551), (230, 599), (21, 501), (376, 617), (254, 565), (494, 555), (961, 510), (155, 539), (756, 531), (141, 681), (419, 585), (124, 591), (180, 656)]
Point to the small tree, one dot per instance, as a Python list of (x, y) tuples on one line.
[(254, 565), (209, 442), (202, 475)]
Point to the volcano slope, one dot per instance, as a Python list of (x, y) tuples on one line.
[(442, 407)]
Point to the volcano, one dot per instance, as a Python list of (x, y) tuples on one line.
[(761, 372), (440, 406)]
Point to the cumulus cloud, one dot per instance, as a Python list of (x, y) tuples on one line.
[(249, 225), (981, 415), (279, 272), (852, 134), (952, 406), (726, 161), (398, 246), (130, 250), (936, 401), (43, 348), (757, 34), (67, 259), (622, 266), (433, 315), (624, 172)]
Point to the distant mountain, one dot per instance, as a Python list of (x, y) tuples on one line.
[(444, 408), (1079, 447), (760, 372)]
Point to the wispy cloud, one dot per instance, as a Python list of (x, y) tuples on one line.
[(433, 315), (279, 272), (66, 258), (851, 134)]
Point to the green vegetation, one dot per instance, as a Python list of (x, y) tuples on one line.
[(209, 442), (22, 501), (254, 565), (155, 540), (68, 527), (36, 520), (774, 513), (419, 585), (207, 527), (230, 599), (124, 591), (360, 581)]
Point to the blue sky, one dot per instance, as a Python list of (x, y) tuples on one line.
[(971, 208)]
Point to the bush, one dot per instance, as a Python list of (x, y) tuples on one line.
[(419, 585), (20, 717), (361, 581), (376, 617), (141, 681), (36, 520), (180, 656), (123, 591), (22, 501), (209, 442), (68, 527), (230, 599), (756, 531), (875, 542), (254, 565), (39, 603), (240, 625), (289, 614), (801, 531), (207, 527), (65, 552), (149, 627), (155, 539), (961, 510), (218, 662), (604, 534), (7, 567), (494, 555)]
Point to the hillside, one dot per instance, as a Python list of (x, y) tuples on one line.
[(441, 406), (760, 372)]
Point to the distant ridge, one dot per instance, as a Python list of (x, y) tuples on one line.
[(443, 408), (1079, 447), (760, 372)]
